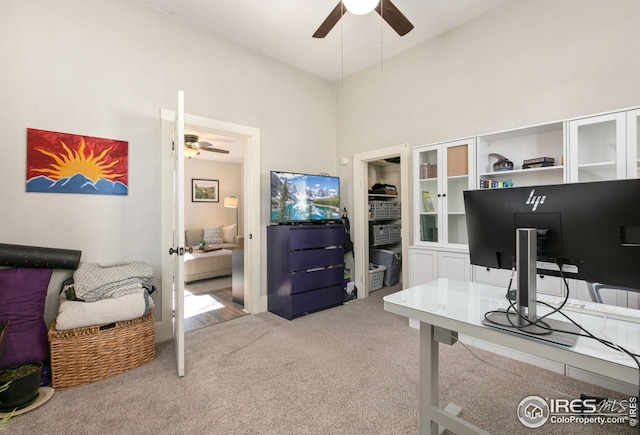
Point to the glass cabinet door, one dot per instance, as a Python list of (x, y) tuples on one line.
[(597, 148), (443, 172), (428, 204), (457, 164), (633, 144)]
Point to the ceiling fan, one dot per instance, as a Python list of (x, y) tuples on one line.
[(387, 10), (192, 146)]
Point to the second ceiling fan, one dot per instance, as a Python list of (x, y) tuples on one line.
[(192, 146), (387, 10)]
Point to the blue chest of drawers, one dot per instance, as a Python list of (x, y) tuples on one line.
[(304, 268)]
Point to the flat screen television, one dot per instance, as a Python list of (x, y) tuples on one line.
[(304, 198)]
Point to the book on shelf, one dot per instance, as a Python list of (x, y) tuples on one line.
[(487, 183), (428, 228), (548, 160), (428, 202), (537, 165)]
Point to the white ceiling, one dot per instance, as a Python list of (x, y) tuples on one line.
[(283, 29)]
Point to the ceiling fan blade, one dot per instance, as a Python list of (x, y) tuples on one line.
[(329, 22), (214, 150), (396, 19)]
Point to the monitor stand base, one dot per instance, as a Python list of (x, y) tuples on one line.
[(499, 320)]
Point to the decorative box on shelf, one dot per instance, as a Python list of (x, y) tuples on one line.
[(538, 162), (84, 355)]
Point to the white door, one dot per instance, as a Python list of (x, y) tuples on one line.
[(178, 234)]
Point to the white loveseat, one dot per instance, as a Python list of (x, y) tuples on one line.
[(214, 262)]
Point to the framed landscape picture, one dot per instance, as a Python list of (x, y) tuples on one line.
[(204, 190)]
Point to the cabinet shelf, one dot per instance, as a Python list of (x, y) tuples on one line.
[(502, 174), (596, 165), (381, 195), (458, 177)]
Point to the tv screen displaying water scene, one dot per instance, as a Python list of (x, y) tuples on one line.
[(304, 197)]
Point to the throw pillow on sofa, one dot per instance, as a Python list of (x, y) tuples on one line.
[(213, 235), (22, 298), (192, 237), (229, 233)]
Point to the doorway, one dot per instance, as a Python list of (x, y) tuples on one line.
[(208, 302), (361, 219), (209, 293), (250, 213)]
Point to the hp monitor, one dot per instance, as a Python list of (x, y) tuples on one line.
[(590, 231)]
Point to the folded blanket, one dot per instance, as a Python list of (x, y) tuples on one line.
[(76, 314), (94, 282)]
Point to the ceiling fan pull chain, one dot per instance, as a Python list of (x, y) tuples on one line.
[(382, 36), (342, 48)]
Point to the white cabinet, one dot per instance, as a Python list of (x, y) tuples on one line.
[(501, 277), (604, 147), (441, 173), (428, 264), (454, 265), (423, 266), (595, 148), (537, 154), (621, 298)]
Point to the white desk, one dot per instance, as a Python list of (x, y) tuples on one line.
[(460, 306)]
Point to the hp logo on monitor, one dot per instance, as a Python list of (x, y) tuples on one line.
[(535, 200)]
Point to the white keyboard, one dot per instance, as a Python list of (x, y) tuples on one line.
[(621, 313)]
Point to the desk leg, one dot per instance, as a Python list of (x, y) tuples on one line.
[(429, 372), (431, 415)]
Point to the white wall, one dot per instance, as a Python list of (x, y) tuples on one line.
[(206, 214), (105, 69), (524, 63)]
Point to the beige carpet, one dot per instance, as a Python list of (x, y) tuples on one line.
[(347, 370)]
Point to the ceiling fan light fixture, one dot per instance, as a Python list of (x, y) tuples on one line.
[(190, 152), (191, 139), (360, 7)]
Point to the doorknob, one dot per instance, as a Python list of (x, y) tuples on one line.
[(180, 251)]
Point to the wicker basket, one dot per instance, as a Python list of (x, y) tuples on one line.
[(84, 355)]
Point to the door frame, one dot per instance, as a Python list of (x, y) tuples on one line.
[(250, 212), (361, 209)]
